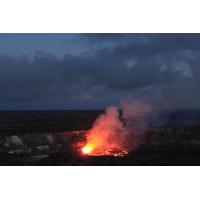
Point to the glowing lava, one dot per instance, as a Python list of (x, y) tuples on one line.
[(90, 149), (87, 149)]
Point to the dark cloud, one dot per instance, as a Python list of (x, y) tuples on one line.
[(115, 66)]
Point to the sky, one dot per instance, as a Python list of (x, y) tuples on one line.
[(93, 71)]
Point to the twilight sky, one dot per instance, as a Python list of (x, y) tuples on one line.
[(91, 71)]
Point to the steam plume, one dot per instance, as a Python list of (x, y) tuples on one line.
[(120, 127)]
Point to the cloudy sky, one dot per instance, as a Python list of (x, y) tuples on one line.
[(92, 71)]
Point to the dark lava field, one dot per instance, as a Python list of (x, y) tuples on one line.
[(51, 138)]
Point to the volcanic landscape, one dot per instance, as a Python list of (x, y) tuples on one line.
[(58, 138)]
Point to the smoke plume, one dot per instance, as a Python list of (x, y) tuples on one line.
[(120, 127)]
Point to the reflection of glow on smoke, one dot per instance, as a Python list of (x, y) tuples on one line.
[(107, 136), (116, 134)]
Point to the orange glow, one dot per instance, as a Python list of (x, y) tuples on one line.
[(107, 136), (95, 149), (87, 149)]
